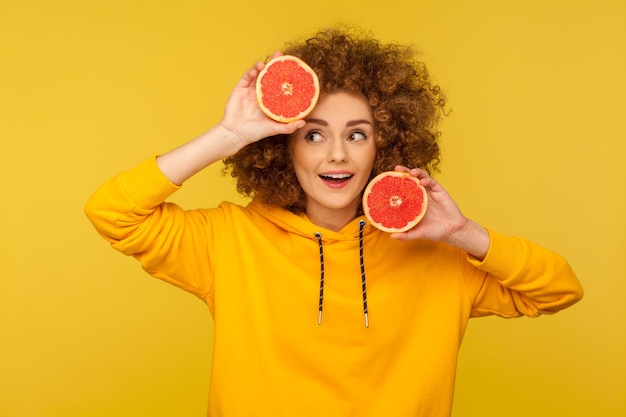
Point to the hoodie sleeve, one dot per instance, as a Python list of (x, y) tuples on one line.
[(171, 244), (521, 278)]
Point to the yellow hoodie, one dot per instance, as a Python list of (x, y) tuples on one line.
[(259, 270)]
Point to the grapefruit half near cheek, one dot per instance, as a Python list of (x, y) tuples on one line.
[(287, 89), (394, 201)]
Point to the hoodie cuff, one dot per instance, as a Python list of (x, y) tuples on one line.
[(504, 258)]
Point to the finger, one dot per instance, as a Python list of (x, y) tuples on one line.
[(408, 235), (424, 177), (259, 66), (399, 236), (288, 128), (419, 173), (401, 168), (415, 172), (249, 76)]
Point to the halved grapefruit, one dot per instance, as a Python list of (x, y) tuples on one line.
[(287, 89), (394, 201)]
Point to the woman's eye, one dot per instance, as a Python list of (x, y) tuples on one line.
[(357, 135), (313, 137)]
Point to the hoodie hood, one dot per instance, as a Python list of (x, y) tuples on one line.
[(356, 229), (301, 225)]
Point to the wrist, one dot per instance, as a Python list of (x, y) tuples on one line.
[(186, 160), (472, 238), (227, 137)]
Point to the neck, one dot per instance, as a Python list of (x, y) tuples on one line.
[(331, 219)]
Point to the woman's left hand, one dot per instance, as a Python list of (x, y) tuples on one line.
[(444, 221)]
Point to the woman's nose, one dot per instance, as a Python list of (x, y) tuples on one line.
[(337, 150)]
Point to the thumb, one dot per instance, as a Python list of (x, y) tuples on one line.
[(291, 127)]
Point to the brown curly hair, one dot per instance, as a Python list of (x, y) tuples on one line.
[(405, 104)]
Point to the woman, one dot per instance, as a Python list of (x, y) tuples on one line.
[(388, 339)]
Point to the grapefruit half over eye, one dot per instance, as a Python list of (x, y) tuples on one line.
[(394, 201), (287, 89)]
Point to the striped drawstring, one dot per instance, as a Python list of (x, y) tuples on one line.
[(364, 288), (318, 236)]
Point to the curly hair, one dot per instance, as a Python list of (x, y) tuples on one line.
[(405, 104)]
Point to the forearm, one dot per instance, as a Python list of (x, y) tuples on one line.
[(472, 238), (181, 163)]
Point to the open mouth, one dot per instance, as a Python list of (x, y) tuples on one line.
[(335, 178)]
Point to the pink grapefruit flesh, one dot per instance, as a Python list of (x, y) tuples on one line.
[(287, 89), (394, 201)]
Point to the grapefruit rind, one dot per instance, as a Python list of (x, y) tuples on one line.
[(294, 96), (396, 209)]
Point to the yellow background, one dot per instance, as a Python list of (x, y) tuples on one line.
[(534, 145)]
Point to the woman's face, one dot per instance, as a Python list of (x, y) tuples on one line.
[(333, 155)]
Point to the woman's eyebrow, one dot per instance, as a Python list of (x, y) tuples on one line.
[(358, 122), (317, 121), (348, 124)]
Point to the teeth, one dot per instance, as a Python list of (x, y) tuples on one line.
[(336, 176)]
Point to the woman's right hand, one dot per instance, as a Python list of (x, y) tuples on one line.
[(243, 116), (242, 124)]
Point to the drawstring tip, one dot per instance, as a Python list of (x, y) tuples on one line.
[(319, 318), (367, 321)]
